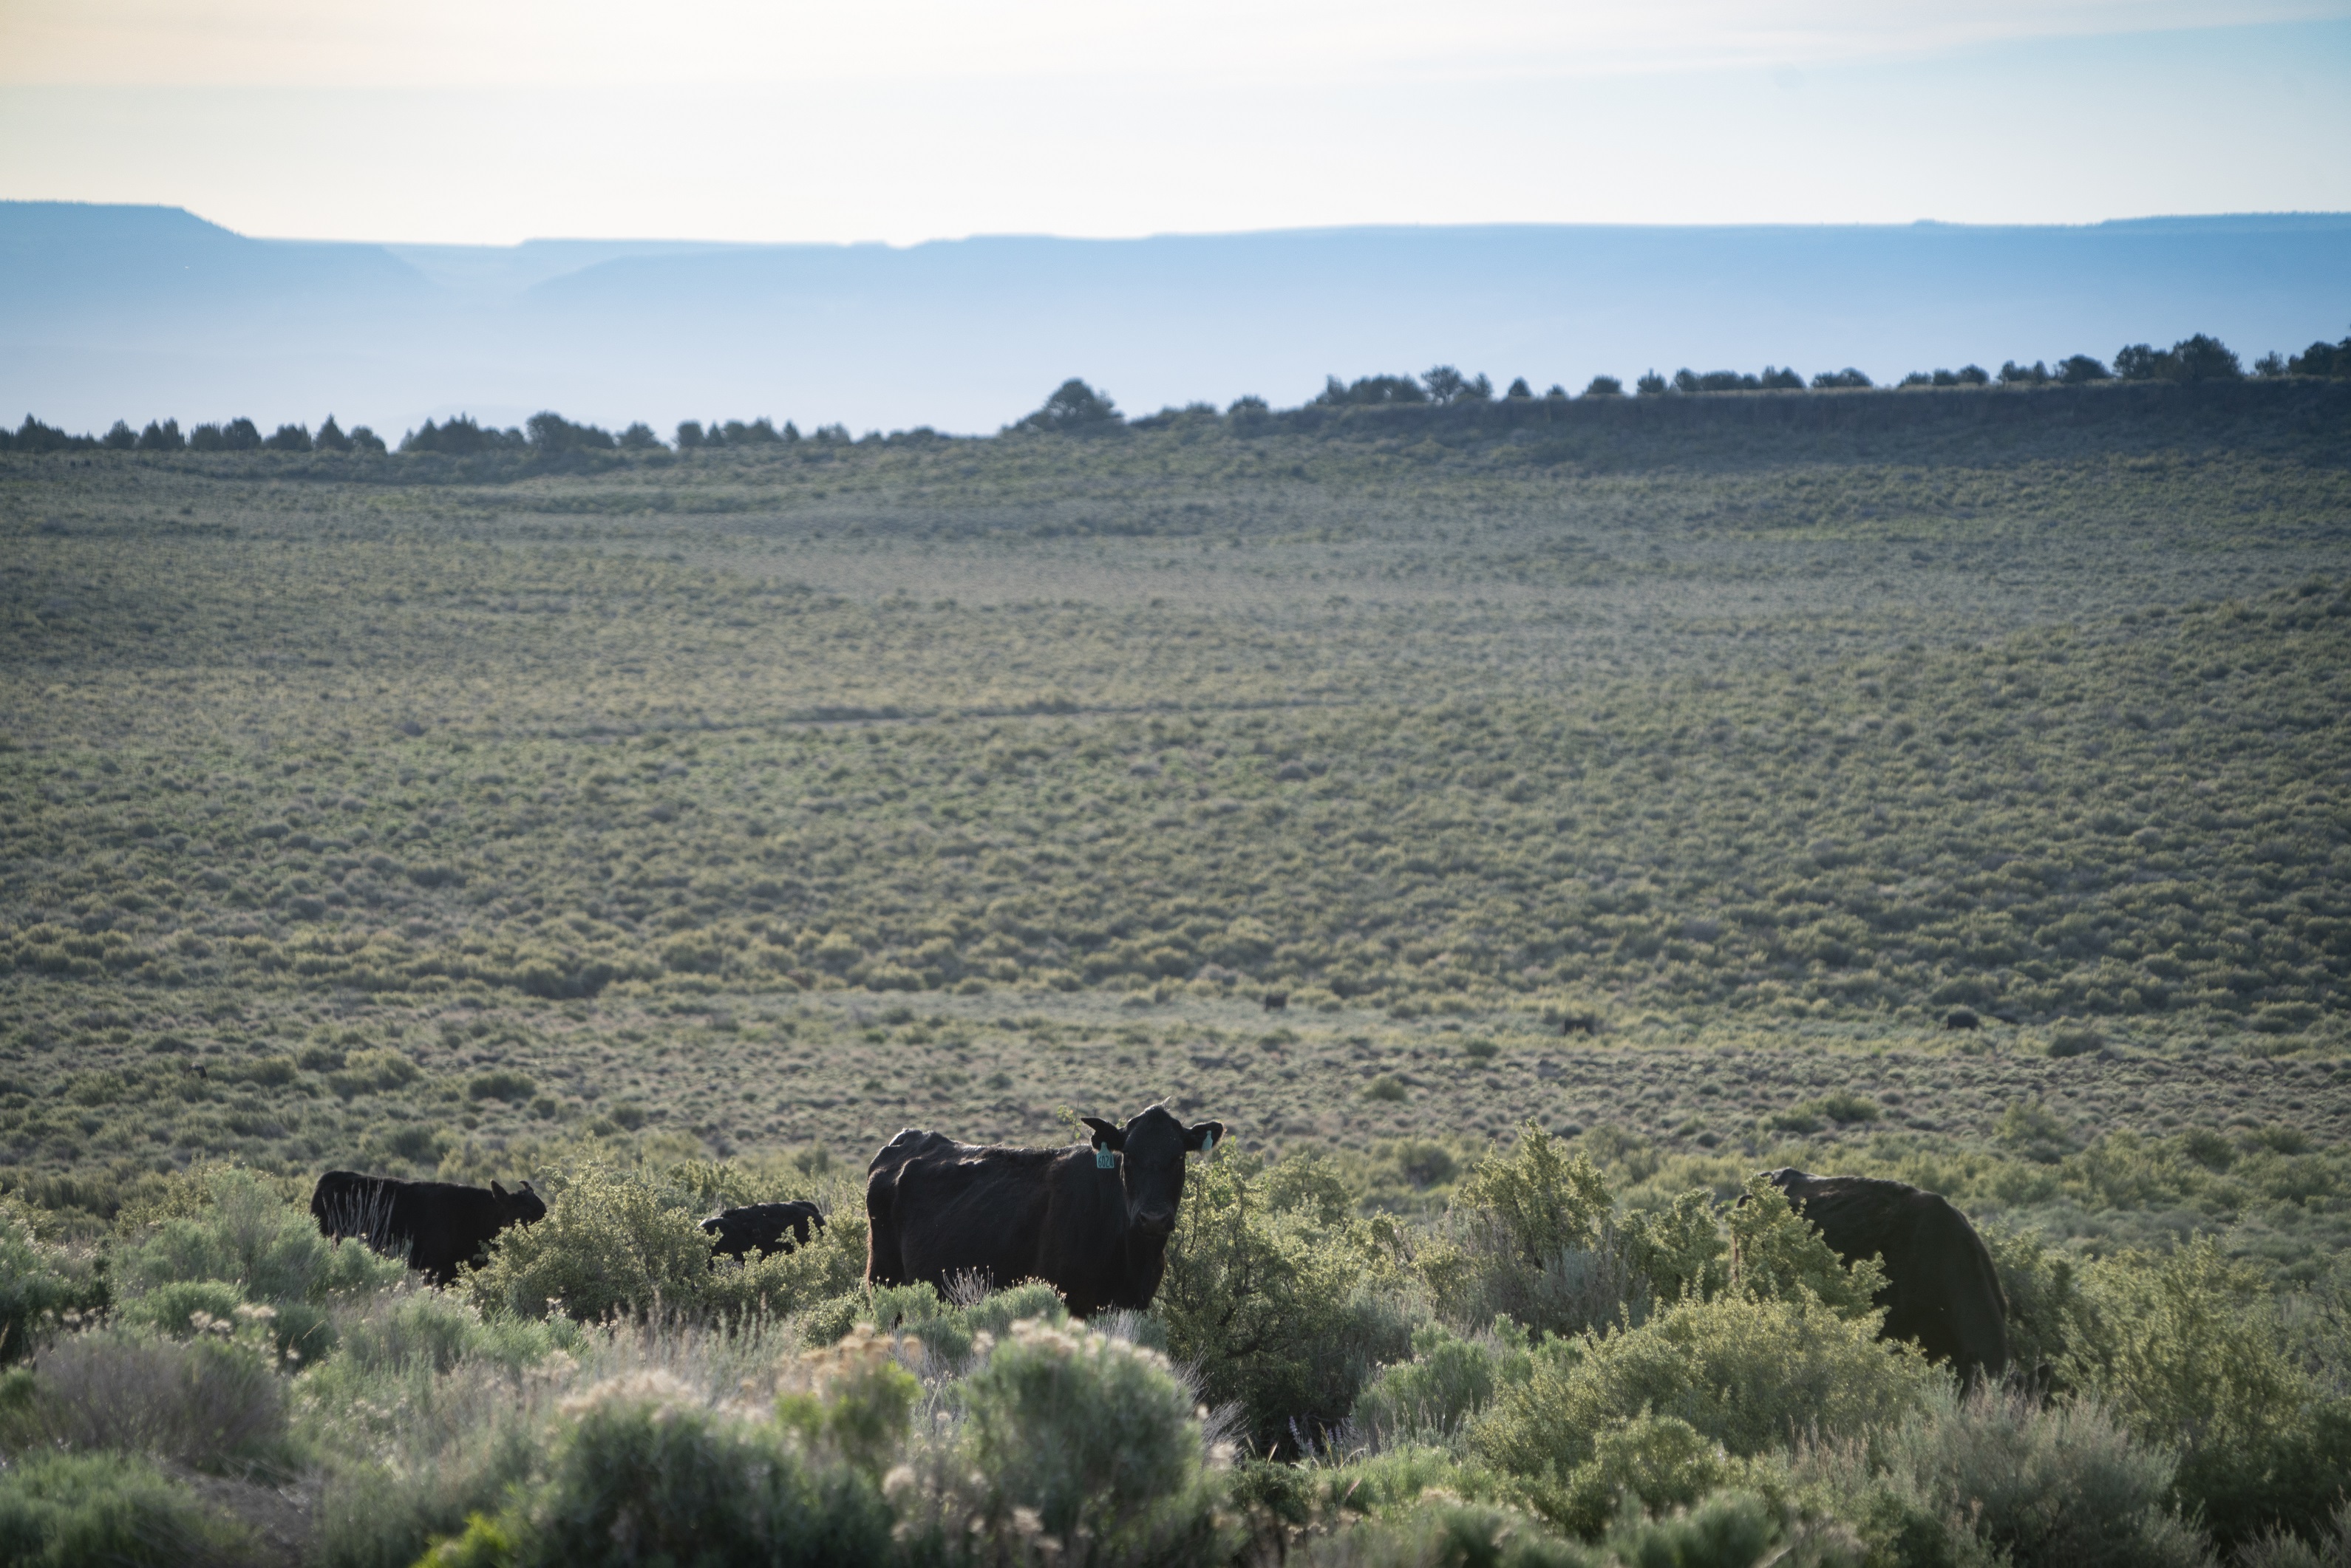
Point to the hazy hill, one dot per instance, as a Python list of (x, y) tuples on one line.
[(136, 313)]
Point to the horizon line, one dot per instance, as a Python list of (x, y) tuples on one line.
[(1369, 227)]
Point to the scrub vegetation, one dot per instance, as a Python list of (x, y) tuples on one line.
[(1618, 806)]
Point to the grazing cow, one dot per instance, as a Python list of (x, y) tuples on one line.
[(1962, 1017), (439, 1225), (1276, 1001), (1090, 1219), (765, 1229), (1942, 1291)]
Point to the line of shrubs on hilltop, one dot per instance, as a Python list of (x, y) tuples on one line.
[(2191, 360), (461, 436), (548, 432), (165, 436), (1075, 407)]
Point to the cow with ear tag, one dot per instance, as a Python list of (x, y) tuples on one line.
[(1091, 1219)]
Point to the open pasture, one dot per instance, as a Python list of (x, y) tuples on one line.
[(761, 800), (1957, 804)]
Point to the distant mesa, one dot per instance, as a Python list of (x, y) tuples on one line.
[(105, 311)]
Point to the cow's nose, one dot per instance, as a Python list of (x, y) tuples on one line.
[(1157, 1221)]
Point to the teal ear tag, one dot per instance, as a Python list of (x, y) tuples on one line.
[(1104, 1159), (1209, 1148)]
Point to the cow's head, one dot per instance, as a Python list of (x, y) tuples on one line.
[(1150, 1150), (521, 1207)]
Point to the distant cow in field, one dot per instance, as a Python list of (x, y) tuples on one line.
[(1942, 1291), (1276, 1001), (1091, 1219), (1962, 1017), (440, 1225), (765, 1229)]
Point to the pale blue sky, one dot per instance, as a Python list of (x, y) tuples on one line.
[(436, 120)]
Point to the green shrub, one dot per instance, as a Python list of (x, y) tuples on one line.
[(1998, 1477), (371, 1071), (185, 1308), (1536, 1199), (245, 1233), (1389, 1481), (2033, 1131), (1528, 1235), (425, 1415), (1727, 1530), (269, 1072), (1745, 1373), (1421, 1162), (2186, 1348), (1087, 1439), (1448, 1380), (2065, 1042), (827, 1321), (215, 1402), (412, 1454), (996, 1312), (1680, 1249), (922, 1315), (1648, 1465), (1845, 1108), (82, 1511), (1309, 1184), (2045, 1296), (500, 1084), (1282, 1315), (1724, 1530), (2331, 1547), (644, 1472), (407, 1327), (854, 1401), (39, 1285), (1446, 1535), (1778, 1254), (612, 1242)]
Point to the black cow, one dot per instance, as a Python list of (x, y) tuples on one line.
[(1942, 1291), (765, 1229), (439, 1225), (1090, 1219)]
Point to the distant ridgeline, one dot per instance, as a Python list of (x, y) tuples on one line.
[(2197, 384)]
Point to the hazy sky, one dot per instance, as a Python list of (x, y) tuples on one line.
[(493, 120)]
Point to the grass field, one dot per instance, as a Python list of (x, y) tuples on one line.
[(753, 801), (672, 831)]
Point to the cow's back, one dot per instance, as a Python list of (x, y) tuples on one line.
[(940, 1209), (1941, 1288)]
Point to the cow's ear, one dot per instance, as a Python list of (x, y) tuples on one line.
[(1107, 1135), (1204, 1135), (496, 1191)]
